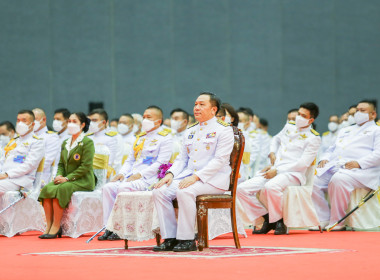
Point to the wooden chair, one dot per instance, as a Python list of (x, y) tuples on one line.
[(215, 201)]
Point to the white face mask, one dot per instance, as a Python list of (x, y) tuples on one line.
[(73, 128), (175, 124), (227, 119), (301, 121), (37, 125), (135, 128), (147, 125), (123, 128), (253, 125), (351, 120), (22, 128), (57, 125), (241, 126), (4, 140), (332, 126), (94, 127), (361, 117), (343, 124)]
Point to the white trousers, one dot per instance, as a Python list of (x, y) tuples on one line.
[(7, 185), (110, 191), (187, 209), (339, 187), (271, 190)]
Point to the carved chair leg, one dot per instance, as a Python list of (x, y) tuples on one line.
[(202, 219), (158, 239), (126, 244), (234, 227)]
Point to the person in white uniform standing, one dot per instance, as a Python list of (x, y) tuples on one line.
[(291, 154), (51, 140), (201, 168), (352, 162), (151, 149), (22, 156)]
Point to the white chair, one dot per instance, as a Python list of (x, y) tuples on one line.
[(368, 215), (298, 208), (85, 211), (27, 214)]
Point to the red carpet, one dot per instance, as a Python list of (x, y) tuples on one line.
[(358, 257)]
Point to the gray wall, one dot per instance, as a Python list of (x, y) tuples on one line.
[(270, 55)]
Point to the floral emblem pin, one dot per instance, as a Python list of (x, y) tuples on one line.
[(77, 157)]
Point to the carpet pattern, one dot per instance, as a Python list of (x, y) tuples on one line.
[(212, 252)]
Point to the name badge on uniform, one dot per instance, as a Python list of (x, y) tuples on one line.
[(19, 159), (211, 135), (148, 160)]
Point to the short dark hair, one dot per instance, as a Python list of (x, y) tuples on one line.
[(232, 112), (65, 113), (8, 125), (247, 110), (312, 107), (264, 122), (100, 112), (292, 111), (83, 119), (29, 112), (371, 102), (114, 120), (158, 109), (214, 100), (222, 111), (184, 113)]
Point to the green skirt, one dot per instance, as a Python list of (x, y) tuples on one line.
[(62, 192)]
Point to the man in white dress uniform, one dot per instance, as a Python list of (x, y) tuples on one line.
[(292, 151), (151, 149), (22, 156), (201, 168), (352, 162)]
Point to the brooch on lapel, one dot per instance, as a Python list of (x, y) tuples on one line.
[(211, 135), (76, 157), (191, 135)]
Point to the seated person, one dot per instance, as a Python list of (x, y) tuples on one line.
[(22, 155), (151, 149), (352, 162), (74, 173), (201, 168), (179, 120), (329, 137), (51, 141), (7, 132), (292, 151)]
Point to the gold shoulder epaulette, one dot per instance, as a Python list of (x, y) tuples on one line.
[(36, 137), (253, 131), (263, 132), (89, 134), (163, 132), (223, 123), (378, 123), (167, 129), (314, 132), (325, 133), (51, 132), (292, 122), (141, 134), (194, 124), (111, 133)]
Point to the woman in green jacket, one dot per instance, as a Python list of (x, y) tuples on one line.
[(74, 173)]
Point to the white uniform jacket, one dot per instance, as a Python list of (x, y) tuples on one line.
[(52, 147), (21, 160), (356, 143), (109, 139), (148, 153), (206, 153), (295, 150)]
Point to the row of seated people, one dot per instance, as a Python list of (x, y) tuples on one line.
[(292, 152)]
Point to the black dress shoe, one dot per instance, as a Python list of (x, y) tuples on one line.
[(105, 235), (113, 237), (280, 228), (167, 245), (52, 236), (185, 246), (267, 226), (42, 236)]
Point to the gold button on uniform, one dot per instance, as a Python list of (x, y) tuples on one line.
[(195, 161), (198, 139)]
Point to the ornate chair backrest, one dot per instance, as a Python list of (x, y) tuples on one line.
[(100, 164), (235, 158)]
